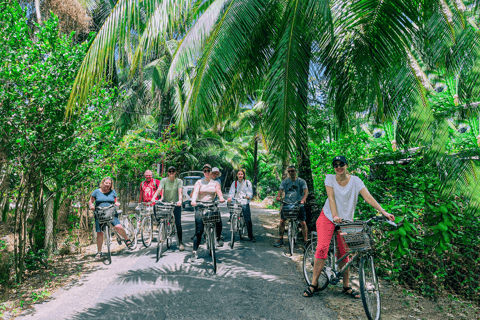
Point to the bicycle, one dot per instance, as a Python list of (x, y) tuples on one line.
[(237, 221), (290, 212), (129, 226), (105, 217), (163, 212), (357, 236), (146, 226), (210, 216)]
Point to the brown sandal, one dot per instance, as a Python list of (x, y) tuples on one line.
[(348, 291)]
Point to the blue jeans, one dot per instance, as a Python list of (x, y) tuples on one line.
[(115, 222)]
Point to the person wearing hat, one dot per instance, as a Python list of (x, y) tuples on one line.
[(205, 190), (171, 191), (342, 191), (296, 190)]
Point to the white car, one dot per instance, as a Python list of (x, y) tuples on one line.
[(189, 178)]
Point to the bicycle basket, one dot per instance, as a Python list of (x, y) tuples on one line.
[(235, 208), (210, 215), (356, 236), (163, 211), (290, 211), (105, 214)]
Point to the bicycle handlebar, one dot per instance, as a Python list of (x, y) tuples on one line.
[(207, 204), (375, 219)]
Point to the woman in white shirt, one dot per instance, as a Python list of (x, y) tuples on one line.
[(342, 191), (242, 191)]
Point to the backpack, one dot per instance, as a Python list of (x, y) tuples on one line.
[(246, 183)]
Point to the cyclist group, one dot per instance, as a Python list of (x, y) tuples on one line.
[(342, 191)]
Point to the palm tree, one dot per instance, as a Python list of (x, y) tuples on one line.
[(371, 52)]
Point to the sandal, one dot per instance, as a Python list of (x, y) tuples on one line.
[(348, 291), (128, 243), (308, 293)]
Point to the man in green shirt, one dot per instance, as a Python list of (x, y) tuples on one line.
[(172, 192)]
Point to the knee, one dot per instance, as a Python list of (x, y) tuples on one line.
[(99, 234)]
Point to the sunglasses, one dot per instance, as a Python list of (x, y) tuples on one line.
[(341, 165), (290, 171), (171, 171), (206, 171)]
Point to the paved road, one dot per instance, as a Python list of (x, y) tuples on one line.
[(253, 281)]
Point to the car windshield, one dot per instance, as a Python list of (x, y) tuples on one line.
[(190, 181)]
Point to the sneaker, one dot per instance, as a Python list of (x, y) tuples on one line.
[(194, 256), (253, 239), (279, 243), (98, 255), (220, 241), (181, 247)]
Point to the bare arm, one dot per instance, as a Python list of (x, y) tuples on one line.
[(180, 196), (333, 204), (91, 203), (279, 195), (155, 195), (218, 190), (305, 194), (196, 189), (371, 201)]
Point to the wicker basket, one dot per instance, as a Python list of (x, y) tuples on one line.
[(356, 236), (290, 211), (163, 211)]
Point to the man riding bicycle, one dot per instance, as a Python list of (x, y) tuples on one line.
[(296, 190)]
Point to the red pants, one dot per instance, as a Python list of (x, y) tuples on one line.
[(325, 229)]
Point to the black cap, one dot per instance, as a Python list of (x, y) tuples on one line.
[(172, 167), (207, 166), (340, 158)]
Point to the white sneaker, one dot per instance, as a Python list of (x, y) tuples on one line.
[(194, 256)]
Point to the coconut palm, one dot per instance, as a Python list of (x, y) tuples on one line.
[(374, 54)]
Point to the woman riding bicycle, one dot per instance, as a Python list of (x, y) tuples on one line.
[(239, 190), (172, 192), (205, 191), (342, 191), (104, 197)]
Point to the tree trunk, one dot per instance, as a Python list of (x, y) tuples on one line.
[(48, 242), (255, 166), (303, 153), (37, 11)]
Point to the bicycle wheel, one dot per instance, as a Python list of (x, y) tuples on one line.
[(147, 232), (369, 288), (308, 262), (168, 233), (242, 227), (107, 235), (161, 240), (291, 232), (213, 236), (130, 230), (233, 229)]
